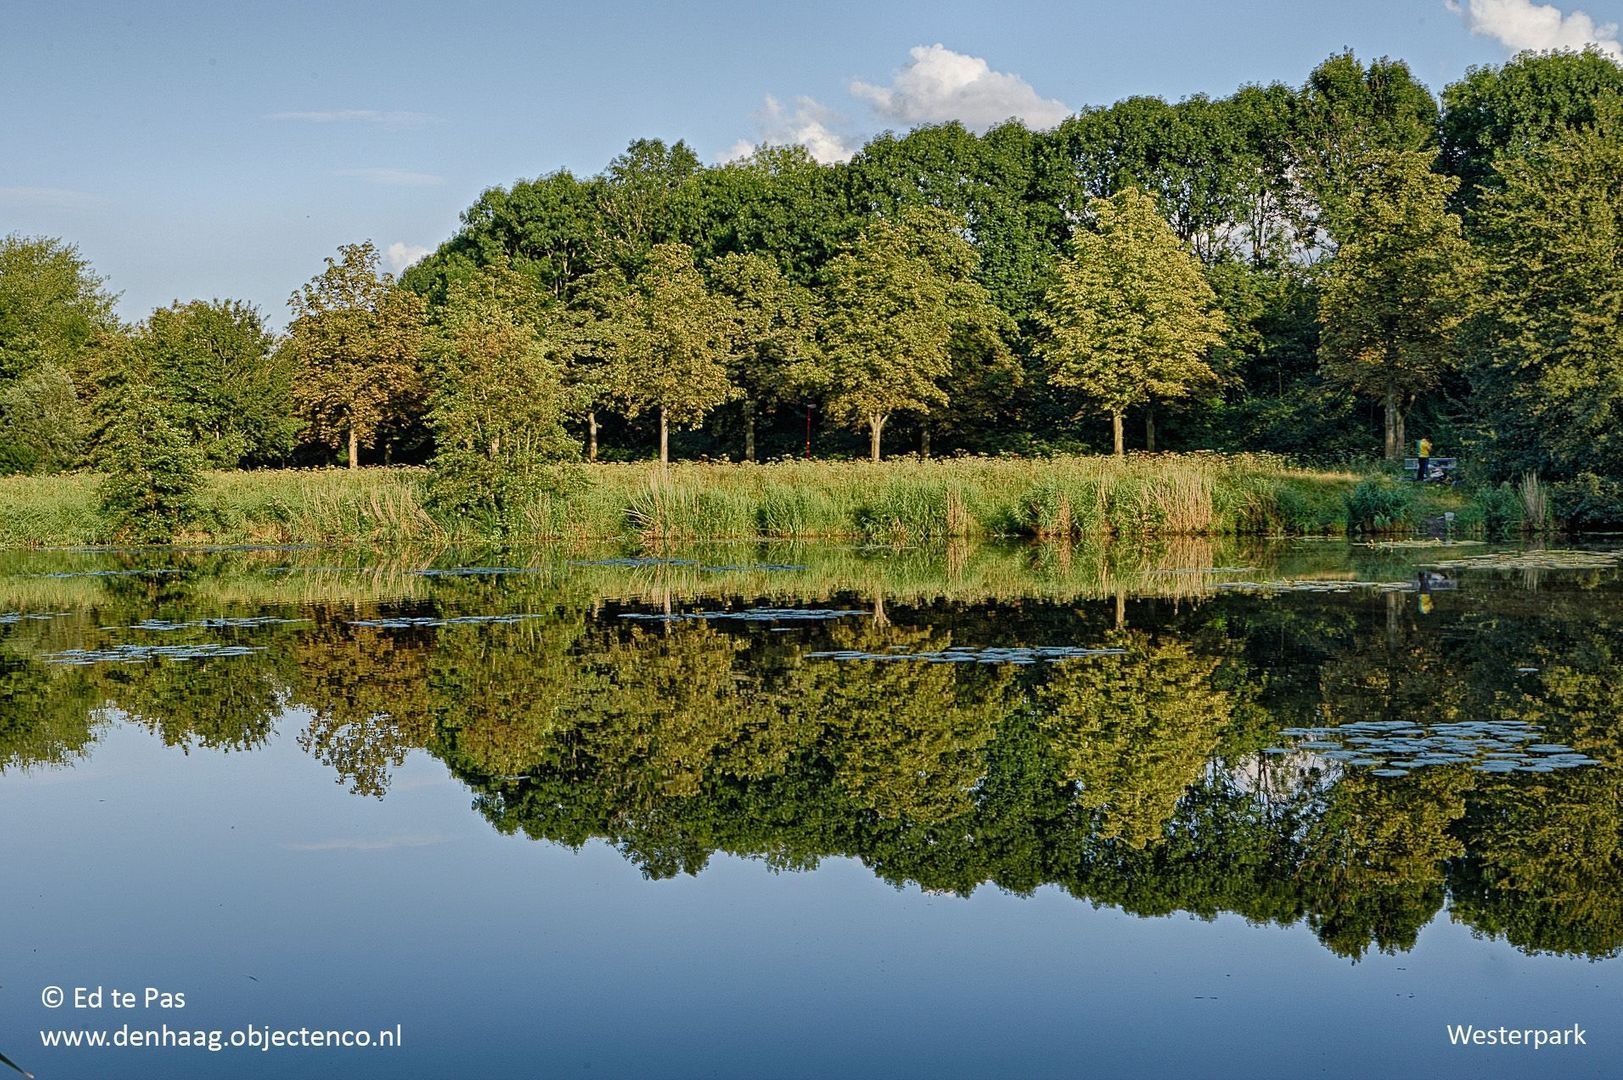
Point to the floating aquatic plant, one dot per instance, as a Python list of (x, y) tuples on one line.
[(748, 615), (480, 571), (1317, 586), (246, 623), (634, 562), (964, 654), (1392, 748), (1563, 559), (9, 618), (407, 622), (140, 654), (147, 572)]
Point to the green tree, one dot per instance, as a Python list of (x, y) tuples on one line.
[(41, 429), (1544, 356), (355, 340), (645, 197), (1130, 318), (224, 384), (153, 476), (1347, 112), (55, 315), (778, 202), (542, 229), (53, 307), (1515, 108), (894, 299), (774, 333), (1397, 291), (498, 403), (669, 339)]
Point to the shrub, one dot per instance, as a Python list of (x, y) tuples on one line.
[(1381, 504), (1589, 502), (153, 474)]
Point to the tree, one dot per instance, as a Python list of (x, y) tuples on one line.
[(778, 202), (543, 229), (645, 197), (153, 475), (355, 339), (1398, 288), (498, 402), (53, 307), (668, 340), (55, 314), (226, 387), (1544, 357), (41, 430), (1347, 112), (774, 333), (894, 299), (1516, 108), (1130, 319)]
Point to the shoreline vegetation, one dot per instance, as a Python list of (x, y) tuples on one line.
[(900, 502)]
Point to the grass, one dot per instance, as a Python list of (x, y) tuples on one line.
[(904, 501)]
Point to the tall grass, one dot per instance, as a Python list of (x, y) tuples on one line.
[(1535, 503), (905, 501)]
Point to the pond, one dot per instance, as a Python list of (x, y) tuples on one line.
[(1190, 809)]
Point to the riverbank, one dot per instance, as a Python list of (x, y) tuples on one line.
[(903, 501)]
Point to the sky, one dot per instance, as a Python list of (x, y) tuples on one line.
[(202, 150)]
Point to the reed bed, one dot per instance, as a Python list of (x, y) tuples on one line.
[(904, 501)]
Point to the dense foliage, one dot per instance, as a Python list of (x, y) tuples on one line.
[(1323, 270)]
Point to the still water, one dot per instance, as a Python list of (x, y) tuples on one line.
[(1189, 810)]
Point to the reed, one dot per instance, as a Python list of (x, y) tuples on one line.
[(902, 501)]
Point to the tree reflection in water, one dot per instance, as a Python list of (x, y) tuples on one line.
[(1137, 779)]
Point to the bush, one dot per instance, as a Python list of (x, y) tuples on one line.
[(1496, 511), (1589, 502), (1382, 504), (154, 475)]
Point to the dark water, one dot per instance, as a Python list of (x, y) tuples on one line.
[(1186, 811)]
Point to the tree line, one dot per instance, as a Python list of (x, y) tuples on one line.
[(1316, 270)]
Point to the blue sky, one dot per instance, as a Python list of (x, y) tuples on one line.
[(223, 149)]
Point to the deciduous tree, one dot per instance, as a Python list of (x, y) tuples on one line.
[(1397, 290), (1130, 319), (355, 340), (668, 340)]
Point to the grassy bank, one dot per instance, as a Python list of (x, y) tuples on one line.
[(899, 502)]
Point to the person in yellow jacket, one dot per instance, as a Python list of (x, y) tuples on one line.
[(1424, 448)]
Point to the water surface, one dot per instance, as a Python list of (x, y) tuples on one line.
[(1190, 810)]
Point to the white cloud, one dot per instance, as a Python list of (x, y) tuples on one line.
[(395, 177), (1522, 24), (938, 85), (399, 255), (391, 117), (50, 198), (809, 124)]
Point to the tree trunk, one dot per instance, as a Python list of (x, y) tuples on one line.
[(354, 449), (1402, 422), (749, 430), (1115, 427), (876, 425), (1149, 428), (591, 435), (1393, 447), (664, 438), (924, 442)]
